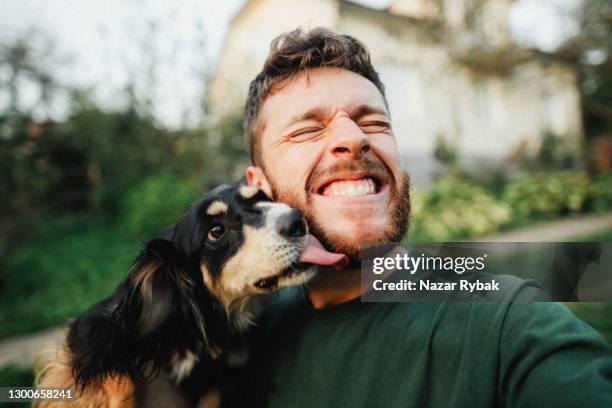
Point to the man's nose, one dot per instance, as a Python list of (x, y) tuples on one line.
[(350, 142)]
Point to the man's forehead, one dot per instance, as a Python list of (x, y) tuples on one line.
[(321, 88)]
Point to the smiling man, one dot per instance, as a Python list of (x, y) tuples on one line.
[(321, 140)]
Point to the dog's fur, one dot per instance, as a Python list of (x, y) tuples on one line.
[(183, 312)]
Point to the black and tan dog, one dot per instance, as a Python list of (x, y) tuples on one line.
[(183, 313)]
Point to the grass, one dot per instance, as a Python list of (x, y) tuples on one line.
[(69, 264), (604, 236)]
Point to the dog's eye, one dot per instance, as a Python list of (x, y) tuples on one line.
[(215, 232), (266, 283)]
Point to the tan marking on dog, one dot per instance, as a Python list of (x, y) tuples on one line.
[(257, 258), (161, 392), (208, 279), (143, 276), (248, 192), (150, 312), (212, 399), (54, 369), (217, 208), (182, 364)]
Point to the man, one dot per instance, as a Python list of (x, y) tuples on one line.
[(321, 140)]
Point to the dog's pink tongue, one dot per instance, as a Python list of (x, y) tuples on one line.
[(314, 253)]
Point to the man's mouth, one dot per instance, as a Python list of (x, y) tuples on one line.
[(349, 187)]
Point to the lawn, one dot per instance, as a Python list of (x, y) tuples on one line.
[(604, 236), (68, 265)]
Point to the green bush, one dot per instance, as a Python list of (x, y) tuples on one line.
[(156, 203), (68, 264), (601, 192), (547, 195), (455, 209)]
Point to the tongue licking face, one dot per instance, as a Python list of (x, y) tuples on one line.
[(314, 253)]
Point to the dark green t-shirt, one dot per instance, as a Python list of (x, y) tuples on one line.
[(430, 354)]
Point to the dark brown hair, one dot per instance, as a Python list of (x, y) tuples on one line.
[(294, 52)]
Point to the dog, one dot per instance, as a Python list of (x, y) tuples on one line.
[(180, 320)]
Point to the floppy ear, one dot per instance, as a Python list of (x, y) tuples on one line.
[(155, 315)]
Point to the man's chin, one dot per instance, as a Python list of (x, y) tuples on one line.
[(349, 239)]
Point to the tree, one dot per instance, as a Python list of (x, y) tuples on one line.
[(590, 51)]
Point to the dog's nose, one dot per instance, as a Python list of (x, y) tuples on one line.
[(292, 225)]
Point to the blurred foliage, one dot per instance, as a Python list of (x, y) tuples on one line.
[(551, 152), (156, 203), (600, 154), (546, 195), (590, 51), (601, 192), (457, 208), (69, 264), (445, 152), (492, 60), (454, 208), (88, 163)]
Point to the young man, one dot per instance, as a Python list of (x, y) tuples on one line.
[(321, 140)]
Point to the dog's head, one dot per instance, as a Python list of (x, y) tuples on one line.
[(242, 244)]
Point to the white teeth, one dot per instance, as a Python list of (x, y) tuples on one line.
[(350, 188)]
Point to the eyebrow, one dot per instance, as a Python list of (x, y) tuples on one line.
[(320, 112), (364, 110), (316, 113)]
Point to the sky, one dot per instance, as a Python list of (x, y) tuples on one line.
[(102, 41)]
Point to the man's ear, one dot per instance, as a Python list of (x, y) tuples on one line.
[(256, 177)]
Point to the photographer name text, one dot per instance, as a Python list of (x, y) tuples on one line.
[(426, 285)]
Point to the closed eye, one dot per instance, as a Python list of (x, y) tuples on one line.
[(304, 133), (375, 127)]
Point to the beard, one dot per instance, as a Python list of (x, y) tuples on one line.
[(335, 241)]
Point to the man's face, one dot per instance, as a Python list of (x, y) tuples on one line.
[(328, 149)]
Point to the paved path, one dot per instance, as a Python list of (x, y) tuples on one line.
[(21, 350), (557, 231)]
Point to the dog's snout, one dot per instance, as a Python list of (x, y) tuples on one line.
[(292, 225)]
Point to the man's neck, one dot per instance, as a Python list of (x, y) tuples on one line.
[(331, 287)]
